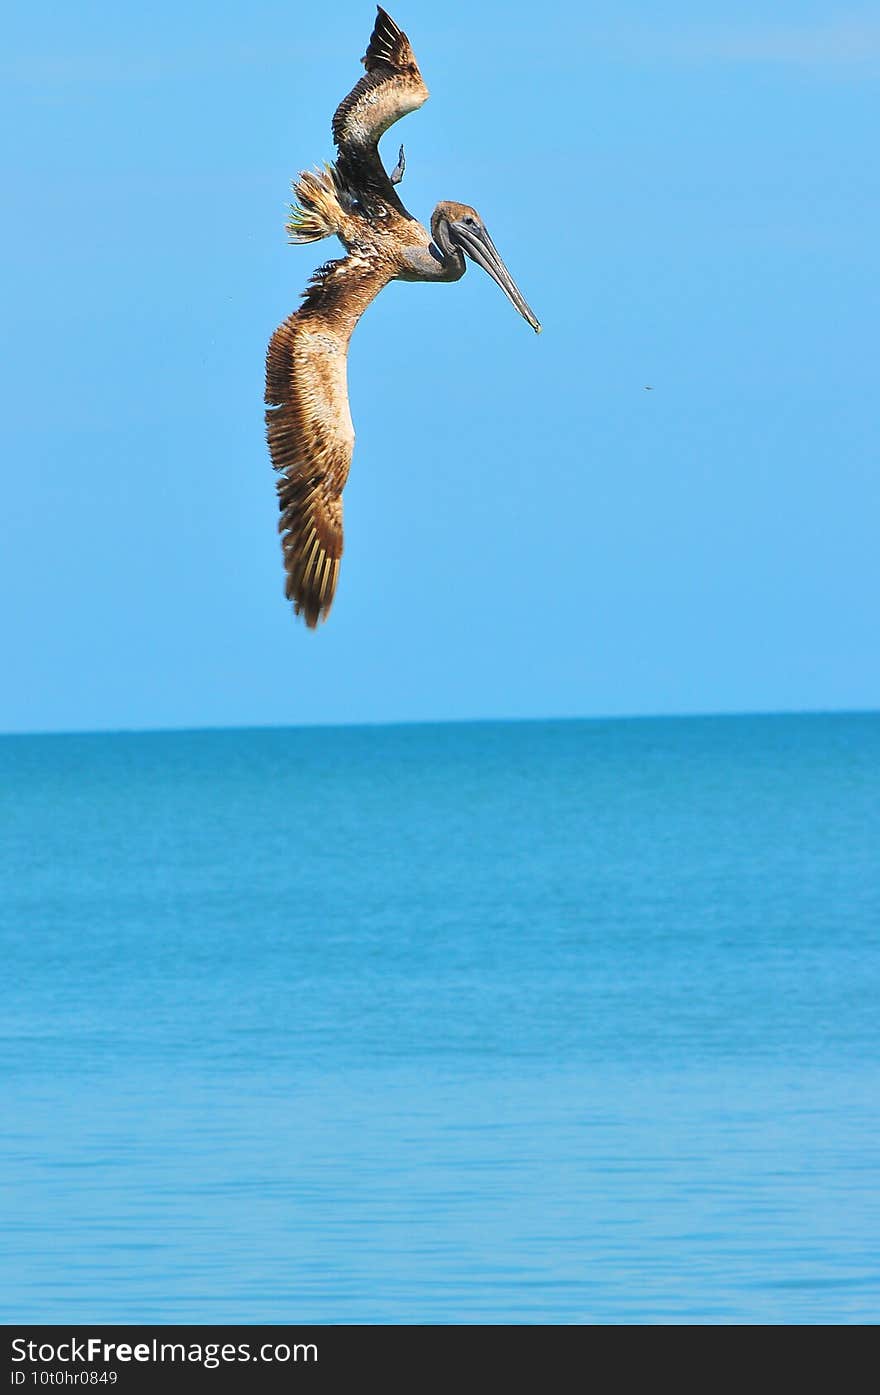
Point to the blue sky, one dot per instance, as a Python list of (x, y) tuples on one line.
[(688, 197)]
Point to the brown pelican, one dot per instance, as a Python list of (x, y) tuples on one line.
[(308, 423)]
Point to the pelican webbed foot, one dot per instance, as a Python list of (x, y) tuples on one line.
[(397, 172)]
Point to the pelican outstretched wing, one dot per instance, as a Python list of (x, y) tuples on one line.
[(309, 428), (391, 87)]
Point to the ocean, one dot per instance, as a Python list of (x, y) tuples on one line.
[(536, 1022)]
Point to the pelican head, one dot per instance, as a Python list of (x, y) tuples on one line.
[(456, 228)]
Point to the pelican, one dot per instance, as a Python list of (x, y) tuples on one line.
[(308, 422)]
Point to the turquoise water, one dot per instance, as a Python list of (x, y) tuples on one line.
[(532, 1022)]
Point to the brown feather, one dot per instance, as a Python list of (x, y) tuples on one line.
[(317, 211), (391, 87), (388, 44), (309, 429)]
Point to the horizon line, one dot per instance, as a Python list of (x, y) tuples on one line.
[(724, 715)]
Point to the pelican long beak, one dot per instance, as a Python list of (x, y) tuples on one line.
[(476, 243)]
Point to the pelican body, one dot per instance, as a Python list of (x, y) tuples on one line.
[(308, 422)]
